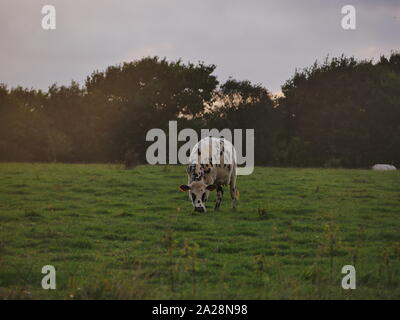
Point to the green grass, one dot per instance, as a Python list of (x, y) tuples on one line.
[(115, 233)]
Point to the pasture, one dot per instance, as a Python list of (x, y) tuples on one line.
[(113, 233)]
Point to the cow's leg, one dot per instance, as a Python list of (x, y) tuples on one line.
[(220, 194), (234, 191)]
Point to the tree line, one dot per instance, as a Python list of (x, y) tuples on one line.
[(339, 113)]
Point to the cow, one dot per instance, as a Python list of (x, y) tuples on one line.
[(212, 164)]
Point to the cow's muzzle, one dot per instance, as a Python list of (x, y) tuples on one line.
[(199, 209)]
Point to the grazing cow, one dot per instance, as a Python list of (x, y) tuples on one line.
[(212, 164)]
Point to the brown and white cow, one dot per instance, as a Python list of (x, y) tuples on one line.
[(212, 164)]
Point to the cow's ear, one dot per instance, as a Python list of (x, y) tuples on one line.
[(184, 188), (211, 187)]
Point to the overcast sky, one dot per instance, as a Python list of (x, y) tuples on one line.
[(259, 40)]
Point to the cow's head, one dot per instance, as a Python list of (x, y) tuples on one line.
[(198, 193)]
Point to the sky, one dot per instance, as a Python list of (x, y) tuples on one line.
[(257, 40)]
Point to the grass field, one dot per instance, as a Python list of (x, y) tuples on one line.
[(130, 234)]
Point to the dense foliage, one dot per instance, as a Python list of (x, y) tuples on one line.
[(342, 112)]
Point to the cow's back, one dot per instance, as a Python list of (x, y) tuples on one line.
[(215, 158), (211, 150)]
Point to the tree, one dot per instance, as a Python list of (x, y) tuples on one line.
[(243, 105), (146, 94), (343, 109)]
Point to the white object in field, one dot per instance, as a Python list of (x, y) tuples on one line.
[(383, 167)]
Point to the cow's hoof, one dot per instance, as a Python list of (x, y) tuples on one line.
[(234, 204)]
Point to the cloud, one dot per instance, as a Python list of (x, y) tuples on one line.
[(263, 41)]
